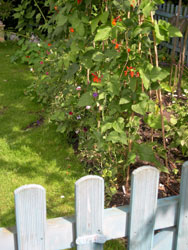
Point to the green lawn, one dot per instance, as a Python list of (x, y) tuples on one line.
[(32, 155), (35, 155)]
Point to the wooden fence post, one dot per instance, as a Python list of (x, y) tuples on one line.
[(30, 206), (144, 190), (182, 222), (89, 195)]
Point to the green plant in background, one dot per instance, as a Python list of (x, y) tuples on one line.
[(5, 9), (177, 128)]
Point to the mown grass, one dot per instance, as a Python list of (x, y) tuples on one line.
[(32, 155)]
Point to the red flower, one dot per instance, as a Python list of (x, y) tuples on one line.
[(117, 46), (70, 113), (49, 44), (114, 22), (27, 56), (132, 73), (96, 78), (137, 74), (128, 50), (79, 1), (71, 30), (118, 19), (125, 72), (56, 8), (132, 6)]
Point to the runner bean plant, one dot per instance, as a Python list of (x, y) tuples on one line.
[(98, 74)]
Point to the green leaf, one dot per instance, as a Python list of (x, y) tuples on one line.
[(132, 84), (38, 17), (154, 121), (116, 137), (145, 152), (72, 70), (98, 56), (103, 33), (166, 87), (101, 96), (174, 32), (140, 107), (114, 85), (158, 74), (118, 127), (104, 17), (159, 35), (121, 120), (61, 20), (80, 29), (106, 127), (94, 24), (85, 100), (173, 120), (145, 78), (148, 8), (124, 101)]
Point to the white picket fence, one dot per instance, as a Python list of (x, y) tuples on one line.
[(93, 225), (166, 11)]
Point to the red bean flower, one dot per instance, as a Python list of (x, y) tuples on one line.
[(117, 46), (132, 73), (70, 113), (95, 77), (115, 20), (71, 30), (79, 1), (128, 50)]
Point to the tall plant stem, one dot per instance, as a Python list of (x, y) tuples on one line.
[(175, 44), (40, 11), (159, 92), (182, 62)]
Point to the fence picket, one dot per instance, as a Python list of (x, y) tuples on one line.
[(182, 224), (144, 189), (30, 206), (89, 192)]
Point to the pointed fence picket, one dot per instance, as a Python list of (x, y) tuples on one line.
[(93, 225)]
